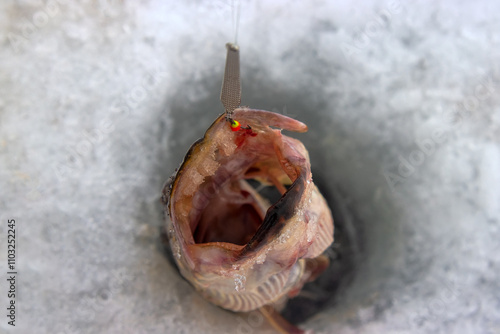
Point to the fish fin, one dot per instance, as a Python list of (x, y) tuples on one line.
[(280, 323)]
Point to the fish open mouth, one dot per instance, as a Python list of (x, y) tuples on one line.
[(239, 189), (233, 188), (238, 207)]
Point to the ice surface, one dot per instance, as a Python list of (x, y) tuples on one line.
[(101, 99)]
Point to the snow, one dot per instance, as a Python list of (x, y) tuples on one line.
[(101, 99)]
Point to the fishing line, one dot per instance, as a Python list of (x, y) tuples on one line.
[(236, 9)]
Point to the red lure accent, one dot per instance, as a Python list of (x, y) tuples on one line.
[(235, 125)]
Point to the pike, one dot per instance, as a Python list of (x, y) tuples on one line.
[(237, 249)]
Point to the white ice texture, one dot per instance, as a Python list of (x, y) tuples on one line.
[(100, 100)]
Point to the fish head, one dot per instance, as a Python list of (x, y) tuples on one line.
[(235, 246)]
